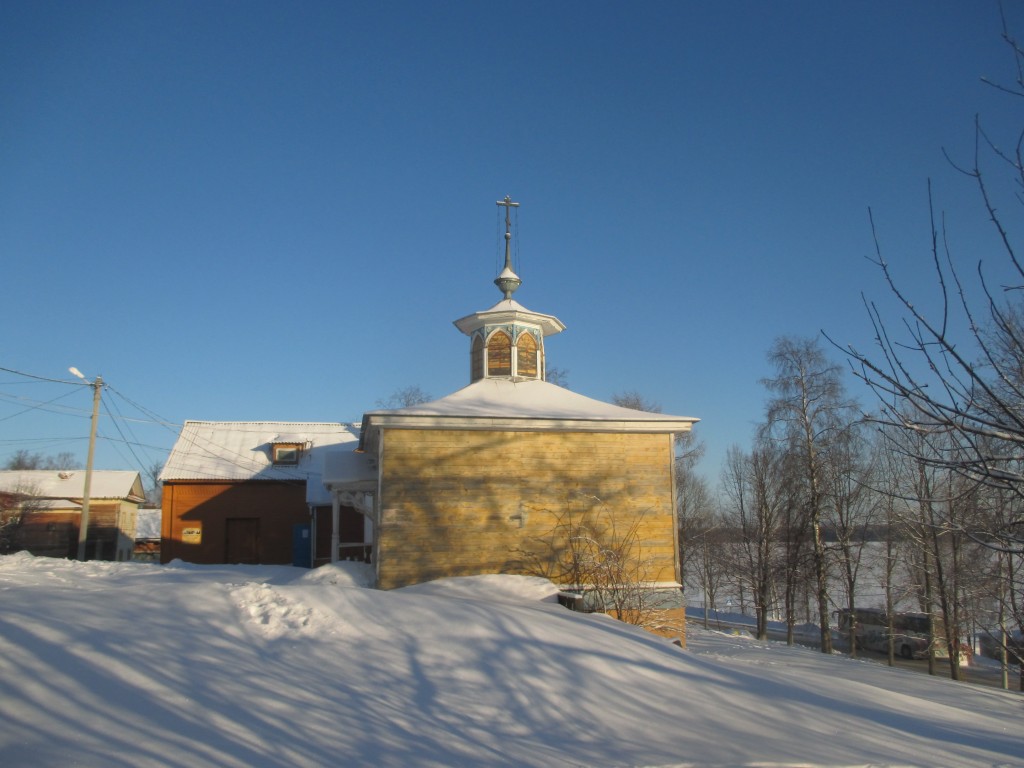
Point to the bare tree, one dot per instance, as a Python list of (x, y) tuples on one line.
[(23, 459), (405, 397), (756, 496), (695, 512), (964, 401), (694, 504), (154, 489), (807, 414), (10, 523), (591, 550), (711, 559), (633, 399), (934, 502), (888, 482), (559, 376), (15, 504), (853, 510), (1000, 596)]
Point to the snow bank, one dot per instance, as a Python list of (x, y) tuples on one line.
[(146, 665), (342, 574), (490, 587)]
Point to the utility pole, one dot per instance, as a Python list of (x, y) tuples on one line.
[(83, 525)]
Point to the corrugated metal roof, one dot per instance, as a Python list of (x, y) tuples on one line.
[(241, 450), (70, 483)]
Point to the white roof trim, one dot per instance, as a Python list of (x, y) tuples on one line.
[(529, 424), (509, 311)]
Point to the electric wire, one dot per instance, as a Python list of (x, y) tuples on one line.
[(68, 410), (112, 402), (117, 426), (202, 445), (155, 417), (35, 406), (43, 378), (116, 416)]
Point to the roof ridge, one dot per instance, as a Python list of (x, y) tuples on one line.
[(274, 423)]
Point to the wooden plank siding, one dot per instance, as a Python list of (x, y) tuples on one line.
[(54, 533), (463, 502), (209, 506)]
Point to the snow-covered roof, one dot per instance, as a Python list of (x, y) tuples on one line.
[(525, 404), (352, 470), (241, 450), (70, 483)]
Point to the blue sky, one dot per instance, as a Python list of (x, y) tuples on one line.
[(274, 211)]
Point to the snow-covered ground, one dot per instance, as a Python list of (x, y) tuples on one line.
[(129, 664)]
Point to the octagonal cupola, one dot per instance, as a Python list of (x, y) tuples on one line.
[(507, 340)]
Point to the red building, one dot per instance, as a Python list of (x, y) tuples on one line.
[(41, 511), (235, 492)]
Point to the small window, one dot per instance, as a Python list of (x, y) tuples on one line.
[(286, 453), (477, 359), (526, 355), (499, 355)]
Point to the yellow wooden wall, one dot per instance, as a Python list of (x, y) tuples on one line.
[(451, 500)]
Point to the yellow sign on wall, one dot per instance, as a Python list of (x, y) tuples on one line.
[(192, 535)]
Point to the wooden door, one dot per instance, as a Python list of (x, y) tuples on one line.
[(242, 540)]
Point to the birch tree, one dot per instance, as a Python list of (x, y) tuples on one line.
[(756, 497), (853, 510), (806, 414)]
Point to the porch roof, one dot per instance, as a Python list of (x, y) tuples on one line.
[(350, 471)]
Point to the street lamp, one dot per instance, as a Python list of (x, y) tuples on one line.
[(83, 525)]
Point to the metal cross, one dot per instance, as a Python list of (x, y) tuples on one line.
[(509, 205)]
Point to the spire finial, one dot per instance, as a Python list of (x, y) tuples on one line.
[(508, 281)]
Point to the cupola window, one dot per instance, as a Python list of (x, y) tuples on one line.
[(499, 355), (526, 356), (476, 358)]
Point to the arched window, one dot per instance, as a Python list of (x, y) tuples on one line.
[(499, 355), (476, 359), (526, 355)]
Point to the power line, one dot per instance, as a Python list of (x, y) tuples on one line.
[(155, 417), (68, 410), (201, 443), (147, 446), (34, 407), (111, 409), (117, 426), (40, 439), (41, 378)]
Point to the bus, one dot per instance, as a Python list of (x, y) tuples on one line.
[(914, 634)]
